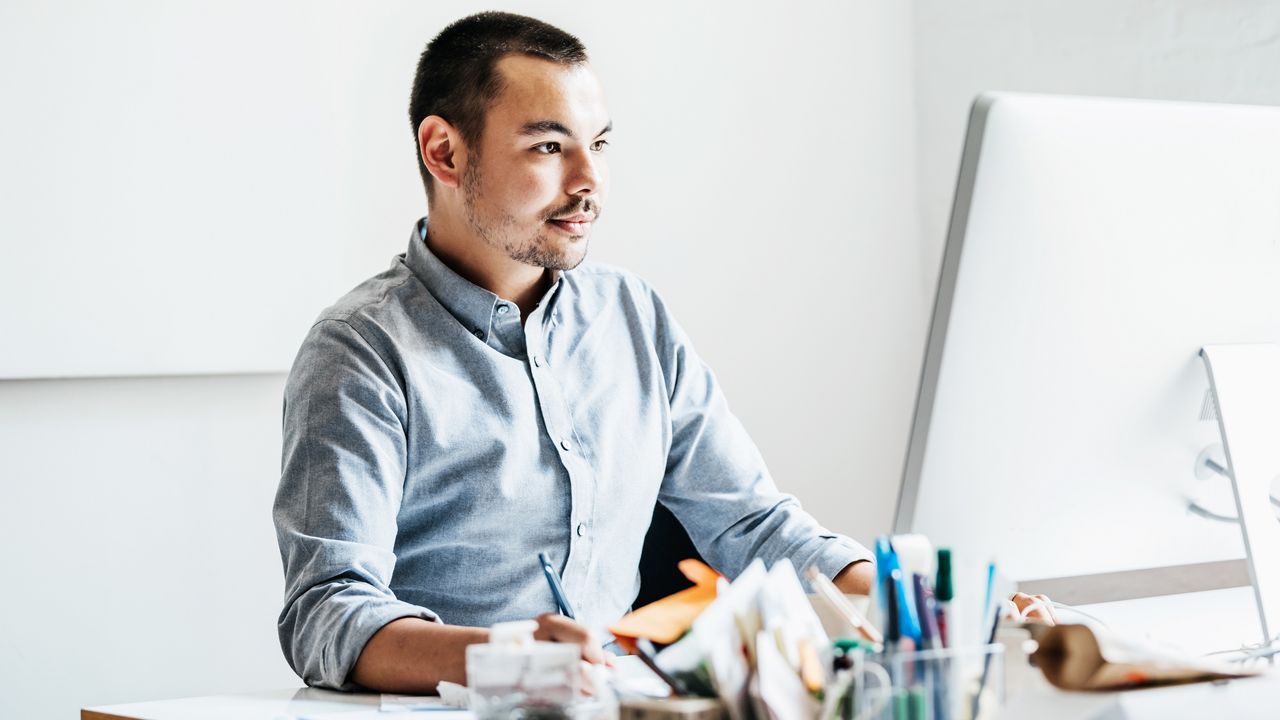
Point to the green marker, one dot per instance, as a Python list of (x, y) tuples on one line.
[(943, 592), (917, 704)]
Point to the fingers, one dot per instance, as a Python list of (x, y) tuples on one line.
[(1042, 612), (557, 628), (1048, 608), (1011, 611)]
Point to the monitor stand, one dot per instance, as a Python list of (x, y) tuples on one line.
[(1245, 380)]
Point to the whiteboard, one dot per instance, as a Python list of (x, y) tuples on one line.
[(187, 185)]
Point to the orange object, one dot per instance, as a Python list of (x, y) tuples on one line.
[(810, 667), (664, 621)]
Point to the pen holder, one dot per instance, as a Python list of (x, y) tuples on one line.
[(965, 683)]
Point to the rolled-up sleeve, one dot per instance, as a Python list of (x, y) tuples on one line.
[(342, 478), (717, 484)]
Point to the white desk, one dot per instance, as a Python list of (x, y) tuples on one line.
[(1028, 694), (268, 705), (1249, 698)]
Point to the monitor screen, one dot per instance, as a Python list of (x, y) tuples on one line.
[(1095, 246)]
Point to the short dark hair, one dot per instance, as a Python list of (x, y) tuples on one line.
[(457, 77)]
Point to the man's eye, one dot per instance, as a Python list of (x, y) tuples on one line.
[(548, 147), (599, 145)]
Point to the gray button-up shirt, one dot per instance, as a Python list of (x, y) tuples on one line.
[(433, 446)]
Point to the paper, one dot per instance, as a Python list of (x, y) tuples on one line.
[(447, 714), (420, 703), (629, 676), (1077, 657), (786, 613), (777, 686)]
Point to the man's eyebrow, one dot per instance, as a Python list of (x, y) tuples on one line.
[(544, 126), (540, 127)]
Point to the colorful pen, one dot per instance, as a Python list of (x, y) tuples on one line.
[(991, 586), (986, 660), (932, 641), (886, 564), (928, 622), (897, 644)]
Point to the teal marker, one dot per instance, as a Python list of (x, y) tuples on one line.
[(943, 593)]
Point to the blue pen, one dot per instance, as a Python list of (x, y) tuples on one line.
[(553, 579), (886, 564), (986, 603), (883, 551)]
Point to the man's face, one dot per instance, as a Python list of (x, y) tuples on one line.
[(540, 177)]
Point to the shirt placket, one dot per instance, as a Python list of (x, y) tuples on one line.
[(507, 336), (560, 429)]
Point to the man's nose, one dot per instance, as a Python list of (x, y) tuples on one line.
[(585, 174)]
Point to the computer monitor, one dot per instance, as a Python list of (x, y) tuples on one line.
[(1095, 246)]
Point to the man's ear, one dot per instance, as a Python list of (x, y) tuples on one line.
[(441, 149)]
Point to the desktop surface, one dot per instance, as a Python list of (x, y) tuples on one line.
[(1244, 698), (265, 705)]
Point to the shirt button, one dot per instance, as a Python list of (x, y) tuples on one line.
[(582, 529), (503, 309), (565, 444), (537, 361)]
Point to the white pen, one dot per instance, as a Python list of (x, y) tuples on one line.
[(828, 590)]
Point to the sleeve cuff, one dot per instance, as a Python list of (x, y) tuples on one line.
[(839, 552), (349, 642)]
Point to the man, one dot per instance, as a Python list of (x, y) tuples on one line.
[(489, 397)]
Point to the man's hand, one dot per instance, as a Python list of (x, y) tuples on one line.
[(1042, 612), (558, 628)]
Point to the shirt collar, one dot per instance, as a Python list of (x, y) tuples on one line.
[(472, 305)]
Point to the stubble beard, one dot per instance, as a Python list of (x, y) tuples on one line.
[(498, 231)]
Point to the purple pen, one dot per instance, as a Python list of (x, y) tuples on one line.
[(928, 620)]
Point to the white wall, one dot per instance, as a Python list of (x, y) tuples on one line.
[(763, 180)]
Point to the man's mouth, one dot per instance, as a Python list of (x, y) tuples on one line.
[(574, 224)]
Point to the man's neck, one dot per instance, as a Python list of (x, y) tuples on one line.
[(449, 238)]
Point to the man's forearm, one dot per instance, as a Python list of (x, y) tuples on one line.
[(412, 655), (856, 578)]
